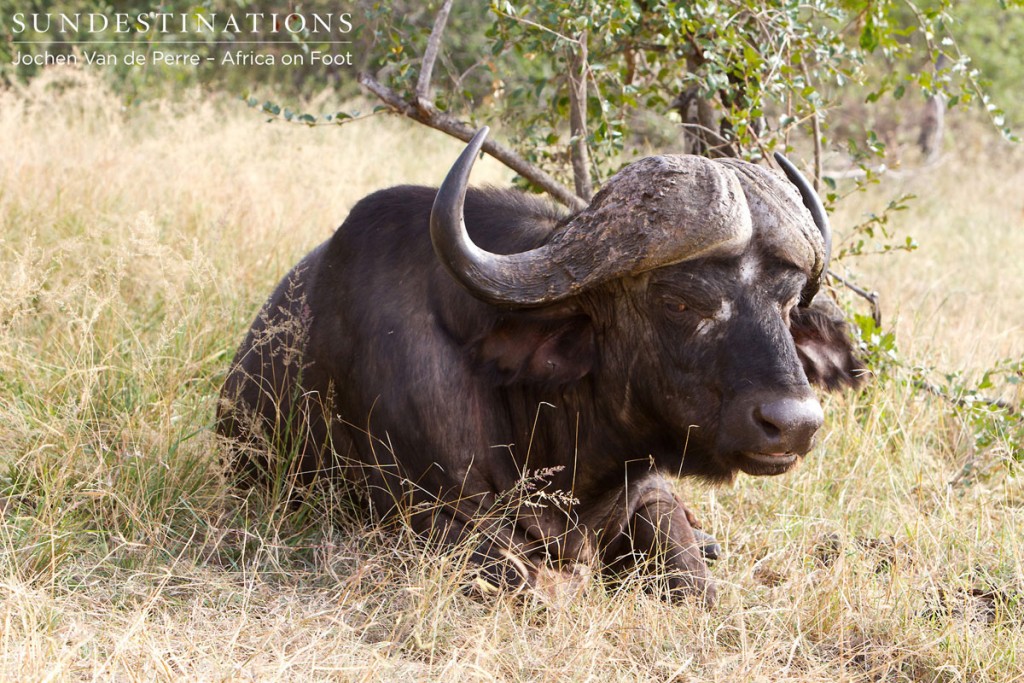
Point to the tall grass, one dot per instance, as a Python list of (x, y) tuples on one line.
[(136, 246), (957, 297)]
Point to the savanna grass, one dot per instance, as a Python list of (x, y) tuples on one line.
[(137, 244)]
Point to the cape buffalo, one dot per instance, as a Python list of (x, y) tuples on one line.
[(524, 381)]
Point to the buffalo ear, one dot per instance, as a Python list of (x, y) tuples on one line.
[(531, 348), (824, 345)]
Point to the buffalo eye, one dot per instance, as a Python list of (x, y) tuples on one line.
[(675, 306), (681, 312)]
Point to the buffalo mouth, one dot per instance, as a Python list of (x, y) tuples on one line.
[(766, 464)]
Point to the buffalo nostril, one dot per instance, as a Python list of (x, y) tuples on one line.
[(767, 425), (789, 424)]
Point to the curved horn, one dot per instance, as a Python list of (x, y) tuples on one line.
[(523, 279), (814, 205), (655, 212)]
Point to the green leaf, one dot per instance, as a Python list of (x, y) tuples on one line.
[(869, 37)]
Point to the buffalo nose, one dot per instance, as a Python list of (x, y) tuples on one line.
[(787, 425)]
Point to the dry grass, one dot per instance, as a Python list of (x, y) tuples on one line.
[(135, 247)]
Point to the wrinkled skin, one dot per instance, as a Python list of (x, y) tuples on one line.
[(441, 403)]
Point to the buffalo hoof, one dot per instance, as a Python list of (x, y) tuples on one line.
[(708, 544), (504, 574)]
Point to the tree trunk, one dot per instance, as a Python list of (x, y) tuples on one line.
[(930, 139), (932, 122)]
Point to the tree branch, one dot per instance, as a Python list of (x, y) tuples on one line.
[(871, 297), (427, 114), (960, 402), (580, 154), (816, 132), (430, 55)]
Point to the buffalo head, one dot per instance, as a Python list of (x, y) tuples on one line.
[(695, 278)]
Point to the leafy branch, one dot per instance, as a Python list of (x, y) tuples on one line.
[(277, 113), (988, 420), (420, 107), (429, 115)]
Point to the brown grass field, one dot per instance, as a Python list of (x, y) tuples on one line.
[(135, 248)]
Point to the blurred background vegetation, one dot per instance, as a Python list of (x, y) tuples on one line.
[(647, 58)]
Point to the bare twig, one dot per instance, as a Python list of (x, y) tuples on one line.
[(872, 297), (961, 402), (896, 173), (816, 132), (430, 55), (704, 137), (461, 78), (708, 135), (427, 114), (531, 24), (578, 67)]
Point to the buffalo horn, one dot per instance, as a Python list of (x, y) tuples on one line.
[(655, 212), (523, 279), (814, 205)]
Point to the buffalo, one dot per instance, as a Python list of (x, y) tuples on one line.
[(526, 382)]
